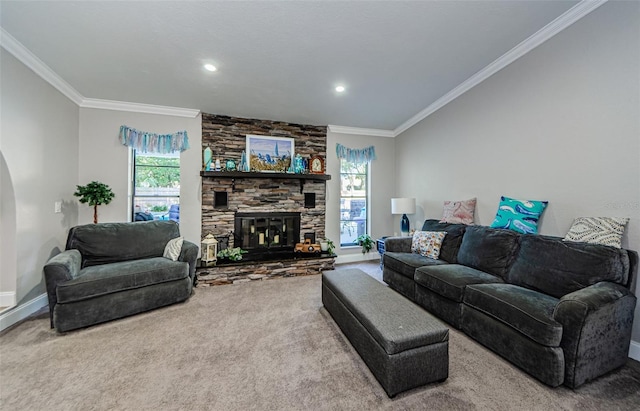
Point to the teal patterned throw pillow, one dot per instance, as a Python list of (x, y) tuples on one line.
[(518, 215)]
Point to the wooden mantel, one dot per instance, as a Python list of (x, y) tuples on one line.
[(250, 174)]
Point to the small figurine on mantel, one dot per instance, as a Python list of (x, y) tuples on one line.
[(243, 162), (298, 165)]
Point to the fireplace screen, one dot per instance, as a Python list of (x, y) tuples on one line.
[(267, 232)]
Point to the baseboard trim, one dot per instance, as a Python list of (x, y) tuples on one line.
[(634, 350), (356, 258), (7, 298), (22, 311)]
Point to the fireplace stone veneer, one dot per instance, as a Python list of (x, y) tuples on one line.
[(226, 136)]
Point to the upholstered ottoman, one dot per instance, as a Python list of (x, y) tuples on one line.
[(403, 345)]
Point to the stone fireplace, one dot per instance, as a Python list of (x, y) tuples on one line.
[(278, 206)]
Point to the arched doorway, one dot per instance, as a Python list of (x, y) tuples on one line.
[(8, 254)]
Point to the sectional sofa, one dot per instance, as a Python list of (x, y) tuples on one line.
[(561, 311)]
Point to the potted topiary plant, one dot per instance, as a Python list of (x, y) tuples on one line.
[(94, 193), (326, 245), (365, 242)]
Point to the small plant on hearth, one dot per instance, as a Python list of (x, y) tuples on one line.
[(330, 246), (365, 242), (327, 245), (233, 254)]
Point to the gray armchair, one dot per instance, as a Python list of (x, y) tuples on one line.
[(113, 270)]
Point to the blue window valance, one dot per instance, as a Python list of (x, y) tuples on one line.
[(147, 142), (362, 155)]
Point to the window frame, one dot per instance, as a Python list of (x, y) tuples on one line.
[(364, 217), (134, 175)]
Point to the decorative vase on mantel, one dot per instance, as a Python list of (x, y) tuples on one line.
[(298, 165), (207, 156), (243, 162)]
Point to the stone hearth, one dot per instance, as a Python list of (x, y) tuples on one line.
[(255, 271)]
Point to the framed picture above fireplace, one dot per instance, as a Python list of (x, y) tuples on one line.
[(269, 154)]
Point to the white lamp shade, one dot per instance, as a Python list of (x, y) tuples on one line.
[(403, 206)]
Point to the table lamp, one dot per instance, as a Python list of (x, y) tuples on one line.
[(403, 206)]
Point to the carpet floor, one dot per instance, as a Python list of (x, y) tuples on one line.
[(264, 345)]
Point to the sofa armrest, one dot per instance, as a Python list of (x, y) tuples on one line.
[(596, 330), (59, 269), (397, 244), (189, 254)]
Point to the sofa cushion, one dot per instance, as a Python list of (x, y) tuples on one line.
[(527, 311), (450, 280), (451, 243), (112, 242), (111, 278), (557, 267), (406, 263), (598, 230), (488, 249), (459, 212), (173, 248), (519, 215), (398, 244), (427, 243)]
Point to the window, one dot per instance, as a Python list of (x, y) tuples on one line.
[(156, 186), (353, 201)]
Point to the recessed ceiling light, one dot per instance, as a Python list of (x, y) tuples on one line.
[(210, 67), (340, 89)]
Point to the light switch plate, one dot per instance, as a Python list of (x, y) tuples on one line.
[(57, 208)]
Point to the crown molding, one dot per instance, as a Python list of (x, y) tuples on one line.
[(26, 57), (13, 46), (361, 131), (138, 108), (562, 22)]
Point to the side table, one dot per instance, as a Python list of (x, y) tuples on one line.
[(380, 244)]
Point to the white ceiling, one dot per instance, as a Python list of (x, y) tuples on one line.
[(277, 60)]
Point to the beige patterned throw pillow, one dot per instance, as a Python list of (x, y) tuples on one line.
[(598, 230), (173, 248), (459, 212), (427, 243)]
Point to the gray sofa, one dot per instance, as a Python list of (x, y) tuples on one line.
[(561, 311), (113, 270)]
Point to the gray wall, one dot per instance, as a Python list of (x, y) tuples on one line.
[(382, 178), (560, 124), (104, 158), (38, 166)]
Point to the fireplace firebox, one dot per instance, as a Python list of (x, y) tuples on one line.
[(269, 233)]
